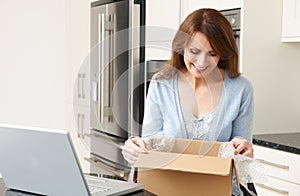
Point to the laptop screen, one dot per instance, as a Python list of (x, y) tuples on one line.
[(40, 161)]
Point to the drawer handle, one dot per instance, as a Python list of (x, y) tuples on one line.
[(283, 192), (274, 164), (106, 166)]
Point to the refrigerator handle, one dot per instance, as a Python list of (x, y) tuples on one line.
[(130, 67), (112, 64), (101, 45), (133, 77)]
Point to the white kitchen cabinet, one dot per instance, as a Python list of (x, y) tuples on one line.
[(282, 169), (164, 13), (164, 17), (291, 21), (162, 22), (78, 74), (277, 187), (78, 124), (81, 87), (160, 50), (188, 6)]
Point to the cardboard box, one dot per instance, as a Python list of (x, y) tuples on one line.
[(192, 168)]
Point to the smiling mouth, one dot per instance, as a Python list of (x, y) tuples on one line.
[(200, 68)]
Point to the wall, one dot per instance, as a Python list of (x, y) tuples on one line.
[(41, 51), (32, 62), (272, 66)]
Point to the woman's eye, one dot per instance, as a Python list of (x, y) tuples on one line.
[(194, 51), (212, 54)]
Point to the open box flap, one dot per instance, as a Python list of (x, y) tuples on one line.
[(185, 162), (236, 174), (199, 147)]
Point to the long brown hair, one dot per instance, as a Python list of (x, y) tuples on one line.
[(219, 33)]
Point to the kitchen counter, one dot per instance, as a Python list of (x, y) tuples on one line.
[(288, 142)]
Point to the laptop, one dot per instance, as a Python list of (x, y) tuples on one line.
[(43, 161)]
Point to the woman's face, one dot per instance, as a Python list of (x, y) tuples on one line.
[(199, 58)]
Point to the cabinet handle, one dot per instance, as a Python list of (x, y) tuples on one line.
[(78, 86), (283, 192), (274, 164), (82, 126), (82, 86), (78, 125)]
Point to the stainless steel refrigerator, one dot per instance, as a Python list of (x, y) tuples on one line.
[(117, 82)]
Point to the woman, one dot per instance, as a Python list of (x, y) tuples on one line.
[(201, 94)]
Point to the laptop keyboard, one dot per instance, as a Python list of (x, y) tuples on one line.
[(106, 186), (97, 185), (96, 188)]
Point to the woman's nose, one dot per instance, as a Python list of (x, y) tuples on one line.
[(201, 59)]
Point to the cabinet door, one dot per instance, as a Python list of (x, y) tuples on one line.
[(277, 187), (291, 21), (162, 22), (192, 5), (164, 13), (79, 118), (78, 49), (81, 87), (279, 164), (160, 50)]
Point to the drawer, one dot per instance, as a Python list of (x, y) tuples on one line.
[(277, 187), (107, 147), (279, 164)]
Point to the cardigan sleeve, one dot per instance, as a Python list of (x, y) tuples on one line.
[(243, 124), (153, 118)]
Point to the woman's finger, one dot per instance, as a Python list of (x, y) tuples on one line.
[(242, 146), (136, 144)]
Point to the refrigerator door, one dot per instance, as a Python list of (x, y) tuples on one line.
[(110, 58), (117, 82)]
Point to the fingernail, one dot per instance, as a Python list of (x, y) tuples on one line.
[(145, 152)]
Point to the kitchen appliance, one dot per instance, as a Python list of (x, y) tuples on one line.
[(117, 82), (234, 17)]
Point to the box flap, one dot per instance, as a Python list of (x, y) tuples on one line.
[(185, 162), (236, 174), (198, 147)]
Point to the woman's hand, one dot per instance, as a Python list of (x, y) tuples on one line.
[(242, 146), (132, 148)]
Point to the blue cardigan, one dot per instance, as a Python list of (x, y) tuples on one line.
[(234, 116)]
